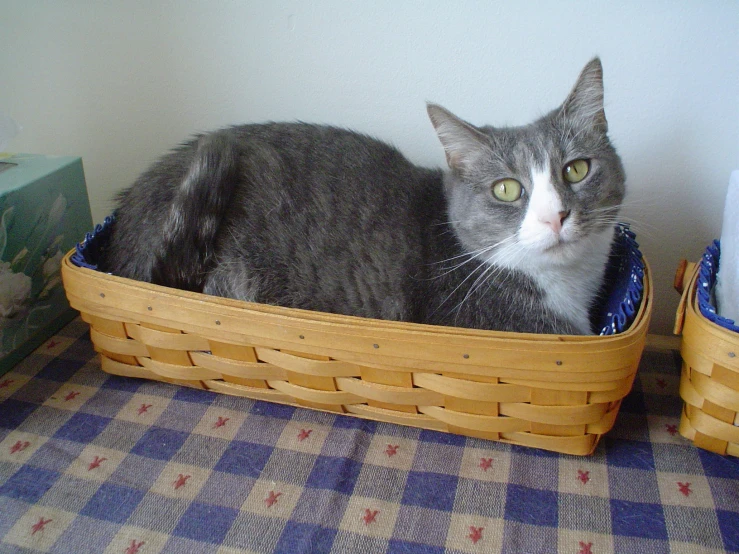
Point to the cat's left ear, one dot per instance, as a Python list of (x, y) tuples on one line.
[(585, 102), (463, 143)]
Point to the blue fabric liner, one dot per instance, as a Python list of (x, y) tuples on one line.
[(624, 284), (707, 272), (621, 293)]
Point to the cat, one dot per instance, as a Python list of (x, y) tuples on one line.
[(514, 236)]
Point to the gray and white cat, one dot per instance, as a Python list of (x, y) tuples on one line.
[(515, 236)]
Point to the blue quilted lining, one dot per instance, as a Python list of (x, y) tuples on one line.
[(623, 288), (624, 284), (707, 272)]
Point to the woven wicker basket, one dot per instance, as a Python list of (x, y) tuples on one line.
[(709, 383), (554, 392)]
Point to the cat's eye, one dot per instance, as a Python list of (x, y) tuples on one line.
[(576, 171), (507, 190)]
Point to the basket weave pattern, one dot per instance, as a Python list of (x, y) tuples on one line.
[(709, 383), (560, 393)]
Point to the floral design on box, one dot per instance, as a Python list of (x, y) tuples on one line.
[(30, 277)]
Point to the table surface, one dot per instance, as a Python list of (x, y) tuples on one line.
[(96, 463)]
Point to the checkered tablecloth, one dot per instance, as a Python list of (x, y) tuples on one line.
[(96, 463)]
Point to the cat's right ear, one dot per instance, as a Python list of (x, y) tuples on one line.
[(462, 142)]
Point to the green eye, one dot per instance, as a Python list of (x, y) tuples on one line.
[(575, 171), (507, 190)]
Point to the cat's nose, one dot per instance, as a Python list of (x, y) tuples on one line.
[(557, 221)]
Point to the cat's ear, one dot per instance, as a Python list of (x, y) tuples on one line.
[(462, 142), (585, 102)]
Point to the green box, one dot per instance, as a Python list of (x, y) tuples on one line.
[(44, 212)]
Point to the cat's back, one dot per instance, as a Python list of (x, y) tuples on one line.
[(288, 213), (326, 218)]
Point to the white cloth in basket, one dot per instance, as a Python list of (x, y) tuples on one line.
[(727, 279)]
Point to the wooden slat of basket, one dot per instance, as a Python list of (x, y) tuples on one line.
[(106, 326), (392, 378), (471, 390), (709, 389), (166, 339), (618, 379), (115, 330), (554, 415), (558, 426), (255, 393), (578, 446), (478, 407), (315, 396), (168, 356), (726, 376), (712, 427), (118, 345), (388, 394), (547, 397), (306, 366), (392, 416), (237, 353), (115, 367), (490, 424), (179, 372), (255, 371), (703, 440), (606, 422), (304, 371), (620, 390), (561, 379)]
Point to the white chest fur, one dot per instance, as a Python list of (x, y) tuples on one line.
[(570, 289), (569, 283), (568, 270)]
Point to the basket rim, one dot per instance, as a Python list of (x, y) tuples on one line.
[(296, 315), (693, 308), (622, 303)]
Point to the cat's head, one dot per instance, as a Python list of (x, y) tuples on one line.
[(541, 193)]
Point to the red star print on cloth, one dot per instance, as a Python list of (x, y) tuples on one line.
[(369, 516), (661, 383), (39, 526), (95, 463), (583, 476), (671, 428), (271, 499), (133, 548), (71, 396), (304, 434), (684, 488), (144, 408), (52, 343), (475, 534), (585, 547), (221, 422), (19, 446), (6, 383), (181, 481), (392, 450), (486, 463)]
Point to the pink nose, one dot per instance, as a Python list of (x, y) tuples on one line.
[(556, 221)]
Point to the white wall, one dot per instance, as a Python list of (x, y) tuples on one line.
[(120, 82)]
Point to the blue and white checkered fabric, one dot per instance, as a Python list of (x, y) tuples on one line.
[(97, 463)]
